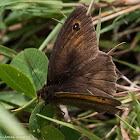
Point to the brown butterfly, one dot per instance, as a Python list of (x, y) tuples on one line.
[(77, 65)]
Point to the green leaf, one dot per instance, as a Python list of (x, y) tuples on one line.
[(22, 4), (7, 52), (70, 134), (49, 132), (17, 80), (12, 97), (77, 128), (11, 126), (8, 2), (35, 122), (38, 62)]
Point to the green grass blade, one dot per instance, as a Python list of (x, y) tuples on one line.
[(11, 126), (98, 26), (132, 128), (127, 64), (79, 129), (7, 52), (51, 35)]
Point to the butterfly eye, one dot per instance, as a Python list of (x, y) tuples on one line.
[(76, 26)]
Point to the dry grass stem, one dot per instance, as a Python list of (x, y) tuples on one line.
[(91, 3), (124, 115), (94, 125), (129, 32), (126, 79), (111, 131), (129, 9), (85, 117)]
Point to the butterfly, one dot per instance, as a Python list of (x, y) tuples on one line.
[(79, 74)]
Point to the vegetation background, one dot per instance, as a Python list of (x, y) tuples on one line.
[(31, 24)]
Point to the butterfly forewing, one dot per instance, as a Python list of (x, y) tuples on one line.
[(72, 47)]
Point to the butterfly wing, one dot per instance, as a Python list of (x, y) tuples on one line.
[(72, 47), (87, 102), (76, 65)]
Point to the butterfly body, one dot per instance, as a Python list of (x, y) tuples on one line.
[(76, 65)]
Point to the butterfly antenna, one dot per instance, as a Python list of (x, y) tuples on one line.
[(91, 3), (32, 70), (58, 21), (113, 49)]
